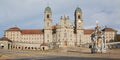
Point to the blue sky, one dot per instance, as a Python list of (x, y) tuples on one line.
[(29, 14)]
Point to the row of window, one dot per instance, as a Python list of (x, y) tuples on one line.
[(65, 35), (29, 42), (65, 31), (16, 34), (66, 39), (18, 47), (31, 38)]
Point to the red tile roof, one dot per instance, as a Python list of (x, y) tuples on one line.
[(88, 31), (5, 39), (32, 31), (13, 29), (44, 44), (108, 29), (53, 27)]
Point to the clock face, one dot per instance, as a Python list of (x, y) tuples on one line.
[(79, 21)]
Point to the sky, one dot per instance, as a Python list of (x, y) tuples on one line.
[(29, 14)]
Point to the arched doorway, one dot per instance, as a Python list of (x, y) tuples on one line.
[(65, 43), (75, 43), (8, 46), (43, 48)]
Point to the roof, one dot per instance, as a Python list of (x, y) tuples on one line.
[(88, 31), (108, 29), (32, 31), (44, 44), (78, 9), (53, 27), (48, 9), (5, 39), (13, 29)]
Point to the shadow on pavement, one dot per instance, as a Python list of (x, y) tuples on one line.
[(64, 58)]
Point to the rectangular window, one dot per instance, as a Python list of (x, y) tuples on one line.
[(65, 35), (47, 35), (59, 35)]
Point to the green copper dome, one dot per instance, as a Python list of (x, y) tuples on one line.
[(78, 9), (48, 9)]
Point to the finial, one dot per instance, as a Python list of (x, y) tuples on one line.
[(105, 26), (77, 5), (65, 16), (47, 3), (96, 22), (15, 25), (97, 27), (61, 17)]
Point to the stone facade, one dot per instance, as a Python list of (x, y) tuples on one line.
[(63, 34), (5, 43)]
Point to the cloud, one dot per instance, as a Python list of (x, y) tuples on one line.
[(30, 13)]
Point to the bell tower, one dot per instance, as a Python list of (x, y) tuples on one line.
[(78, 26), (47, 18), (78, 18), (47, 25)]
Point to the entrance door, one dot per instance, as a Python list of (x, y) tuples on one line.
[(65, 43)]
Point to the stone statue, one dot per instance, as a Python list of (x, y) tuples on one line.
[(98, 42)]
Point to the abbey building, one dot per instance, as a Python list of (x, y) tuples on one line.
[(63, 34)]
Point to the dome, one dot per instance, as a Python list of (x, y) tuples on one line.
[(78, 9), (48, 9)]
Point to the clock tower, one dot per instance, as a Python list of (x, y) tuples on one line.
[(47, 25), (78, 26), (78, 18)]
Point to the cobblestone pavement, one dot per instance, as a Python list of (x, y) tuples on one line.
[(59, 54)]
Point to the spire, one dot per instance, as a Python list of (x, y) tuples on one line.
[(65, 16), (61, 17)]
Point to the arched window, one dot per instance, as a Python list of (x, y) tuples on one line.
[(18, 47), (31, 47), (25, 47), (28, 47), (78, 16), (48, 16)]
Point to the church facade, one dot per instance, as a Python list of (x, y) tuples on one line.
[(63, 34)]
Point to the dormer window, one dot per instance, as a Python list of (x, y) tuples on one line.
[(48, 16)]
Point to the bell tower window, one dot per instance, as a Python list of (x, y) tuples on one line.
[(78, 16), (48, 16)]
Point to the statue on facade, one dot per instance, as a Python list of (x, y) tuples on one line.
[(98, 42)]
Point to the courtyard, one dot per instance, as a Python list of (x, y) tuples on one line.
[(59, 54)]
